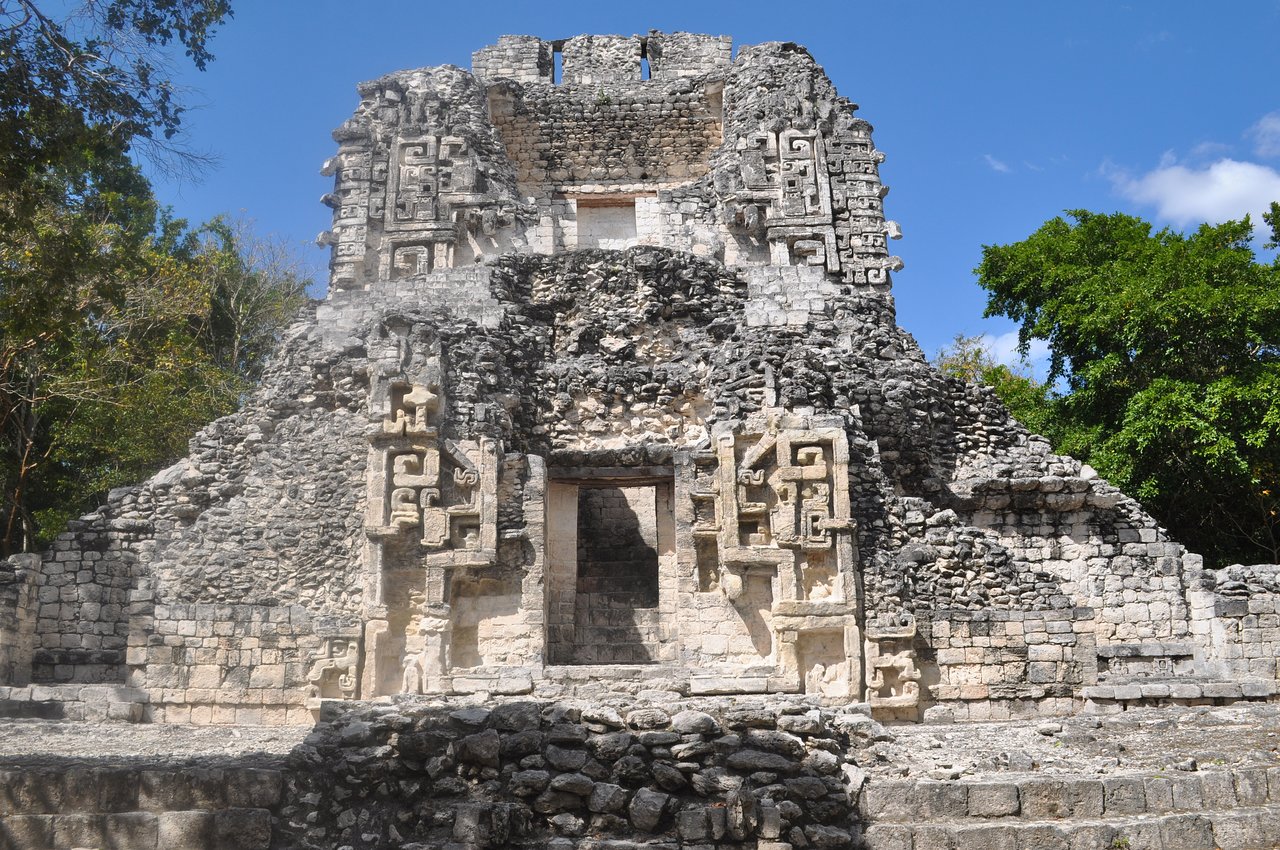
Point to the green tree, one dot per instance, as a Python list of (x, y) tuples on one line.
[(93, 82), (121, 330), (152, 334), (256, 285), (1168, 349)]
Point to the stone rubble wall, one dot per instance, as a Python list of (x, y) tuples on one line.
[(686, 54), (566, 775), (602, 59), (596, 59), (523, 58), (1237, 614)]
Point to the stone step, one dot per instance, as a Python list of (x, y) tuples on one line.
[(125, 808), (74, 702), (244, 829), (1247, 828), (28, 709), (1038, 798), (1228, 691)]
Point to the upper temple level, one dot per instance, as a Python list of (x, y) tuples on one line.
[(608, 142)]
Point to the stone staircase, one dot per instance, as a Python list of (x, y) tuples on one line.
[(1229, 809), (127, 808), (74, 702), (1235, 809)]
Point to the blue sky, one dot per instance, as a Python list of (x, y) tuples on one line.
[(995, 116)]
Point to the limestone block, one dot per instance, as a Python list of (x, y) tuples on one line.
[(993, 800), (1044, 799), (887, 801), (974, 837), (81, 830), (1158, 794), (1218, 788), (18, 832), (253, 788), (242, 829), (186, 829), (1250, 786), (647, 808), (1237, 830), (940, 800)]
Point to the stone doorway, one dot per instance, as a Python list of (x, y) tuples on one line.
[(611, 571)]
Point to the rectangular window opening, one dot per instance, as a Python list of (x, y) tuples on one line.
[(608, 223)]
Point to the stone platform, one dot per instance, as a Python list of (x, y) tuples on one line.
[(660, 772)]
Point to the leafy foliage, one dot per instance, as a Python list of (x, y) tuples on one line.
[(95, 83), (118, 339), (121, 330), (1168, 349)]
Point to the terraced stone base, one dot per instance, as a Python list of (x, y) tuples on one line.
[(1227, 809), (122, 808)]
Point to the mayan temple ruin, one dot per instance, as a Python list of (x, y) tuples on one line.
[(604, 453)]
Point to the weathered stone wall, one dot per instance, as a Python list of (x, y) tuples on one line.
[(686, 54), (616, 599), (1233, 808), (633, 137), (18, 577), (994, 665), (596, 59), (523, 58), (218, 663), (598, 361), (1236, 613), (83, 600)]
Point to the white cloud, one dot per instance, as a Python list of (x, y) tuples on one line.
[(1004, 348), (996, 165), (1208, 150), (1266, 135), (1221, 191)]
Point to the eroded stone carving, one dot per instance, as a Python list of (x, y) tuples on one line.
[(441, 487), (783, 497), (335, 670), (427, 657), (893, 681)]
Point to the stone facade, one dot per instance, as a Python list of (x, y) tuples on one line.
[(608, 391)]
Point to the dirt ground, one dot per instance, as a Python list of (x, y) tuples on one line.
[(1145, 741), (1149, 741), (57, 742)]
